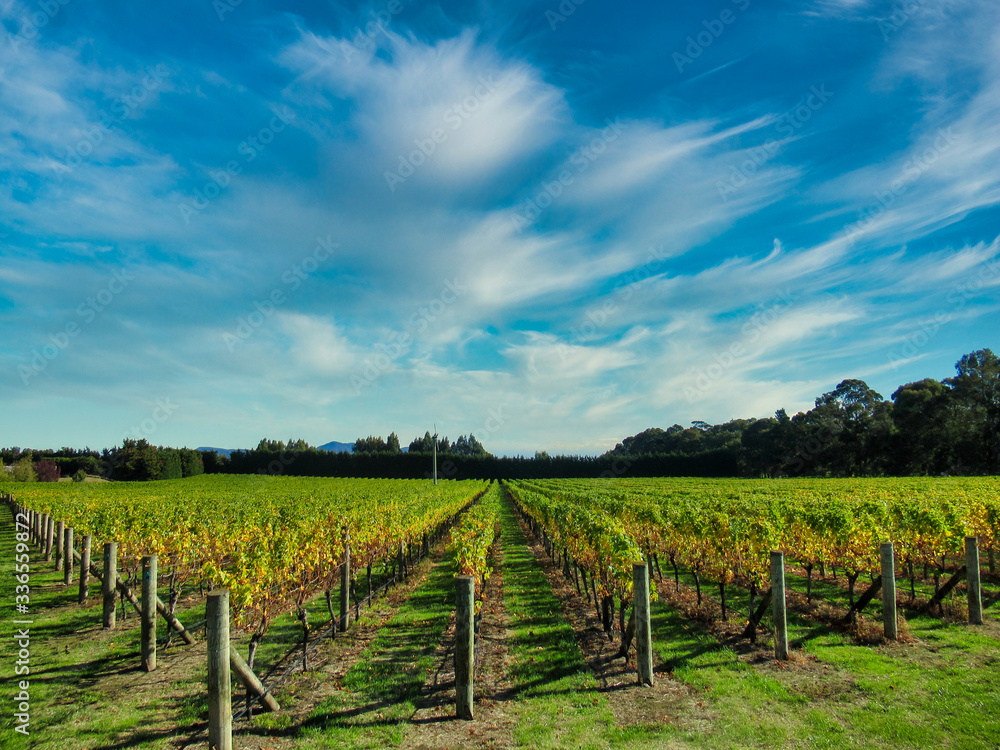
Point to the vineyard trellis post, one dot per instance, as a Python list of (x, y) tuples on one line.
[(85, 567), (465, 606), (778, 605), (148, 632), (643, 625), (345, 583), (49, 532), (220, 705), (68, 557), (60, 534), (972, 580), (108, 588), (888, 560)]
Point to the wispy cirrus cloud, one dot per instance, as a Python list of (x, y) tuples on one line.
[(575, 240)]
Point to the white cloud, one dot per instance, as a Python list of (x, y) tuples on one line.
[(318, 345), (457, 108)]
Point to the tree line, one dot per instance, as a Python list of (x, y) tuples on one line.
[(929, 427), (134, 460)]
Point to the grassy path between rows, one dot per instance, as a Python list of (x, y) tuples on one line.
[(372, 705), (558, 703)]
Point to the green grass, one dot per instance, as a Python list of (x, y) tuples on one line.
[(382, 689), (939, 692), (558, 704)]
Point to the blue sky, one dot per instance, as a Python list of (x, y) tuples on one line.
[(549, 224)]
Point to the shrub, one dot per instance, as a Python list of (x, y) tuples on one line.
[(47, 471), (24, 471)]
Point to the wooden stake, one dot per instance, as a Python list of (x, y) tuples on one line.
[(778, 605), (220, 701), (888, 591), (49, 532), (68, 557), (148, 631), (465, 594), (643, 624), (972, 580), (250, 681), (345, 584), (108, 588), (60, 535), (85, 568)]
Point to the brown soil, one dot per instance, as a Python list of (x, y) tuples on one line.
[(434, 725)]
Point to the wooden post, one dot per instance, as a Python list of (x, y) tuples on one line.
[(972, 580), (465, 607), (778, 605), (108, 588), (49, 532), (888, 591), (148, 632), (345, 584), (68, 557), (85, 567), (60, 535), (220, 700), (243, 673), (643, 625)]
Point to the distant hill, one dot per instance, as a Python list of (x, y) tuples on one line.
[(220, 451), (331, 447), (335, 447)]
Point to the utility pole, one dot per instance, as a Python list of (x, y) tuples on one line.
[(435, 454)]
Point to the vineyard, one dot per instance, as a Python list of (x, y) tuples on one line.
[(416, 600)]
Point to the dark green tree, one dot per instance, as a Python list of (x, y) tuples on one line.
[(922, 414), (976, 390)]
